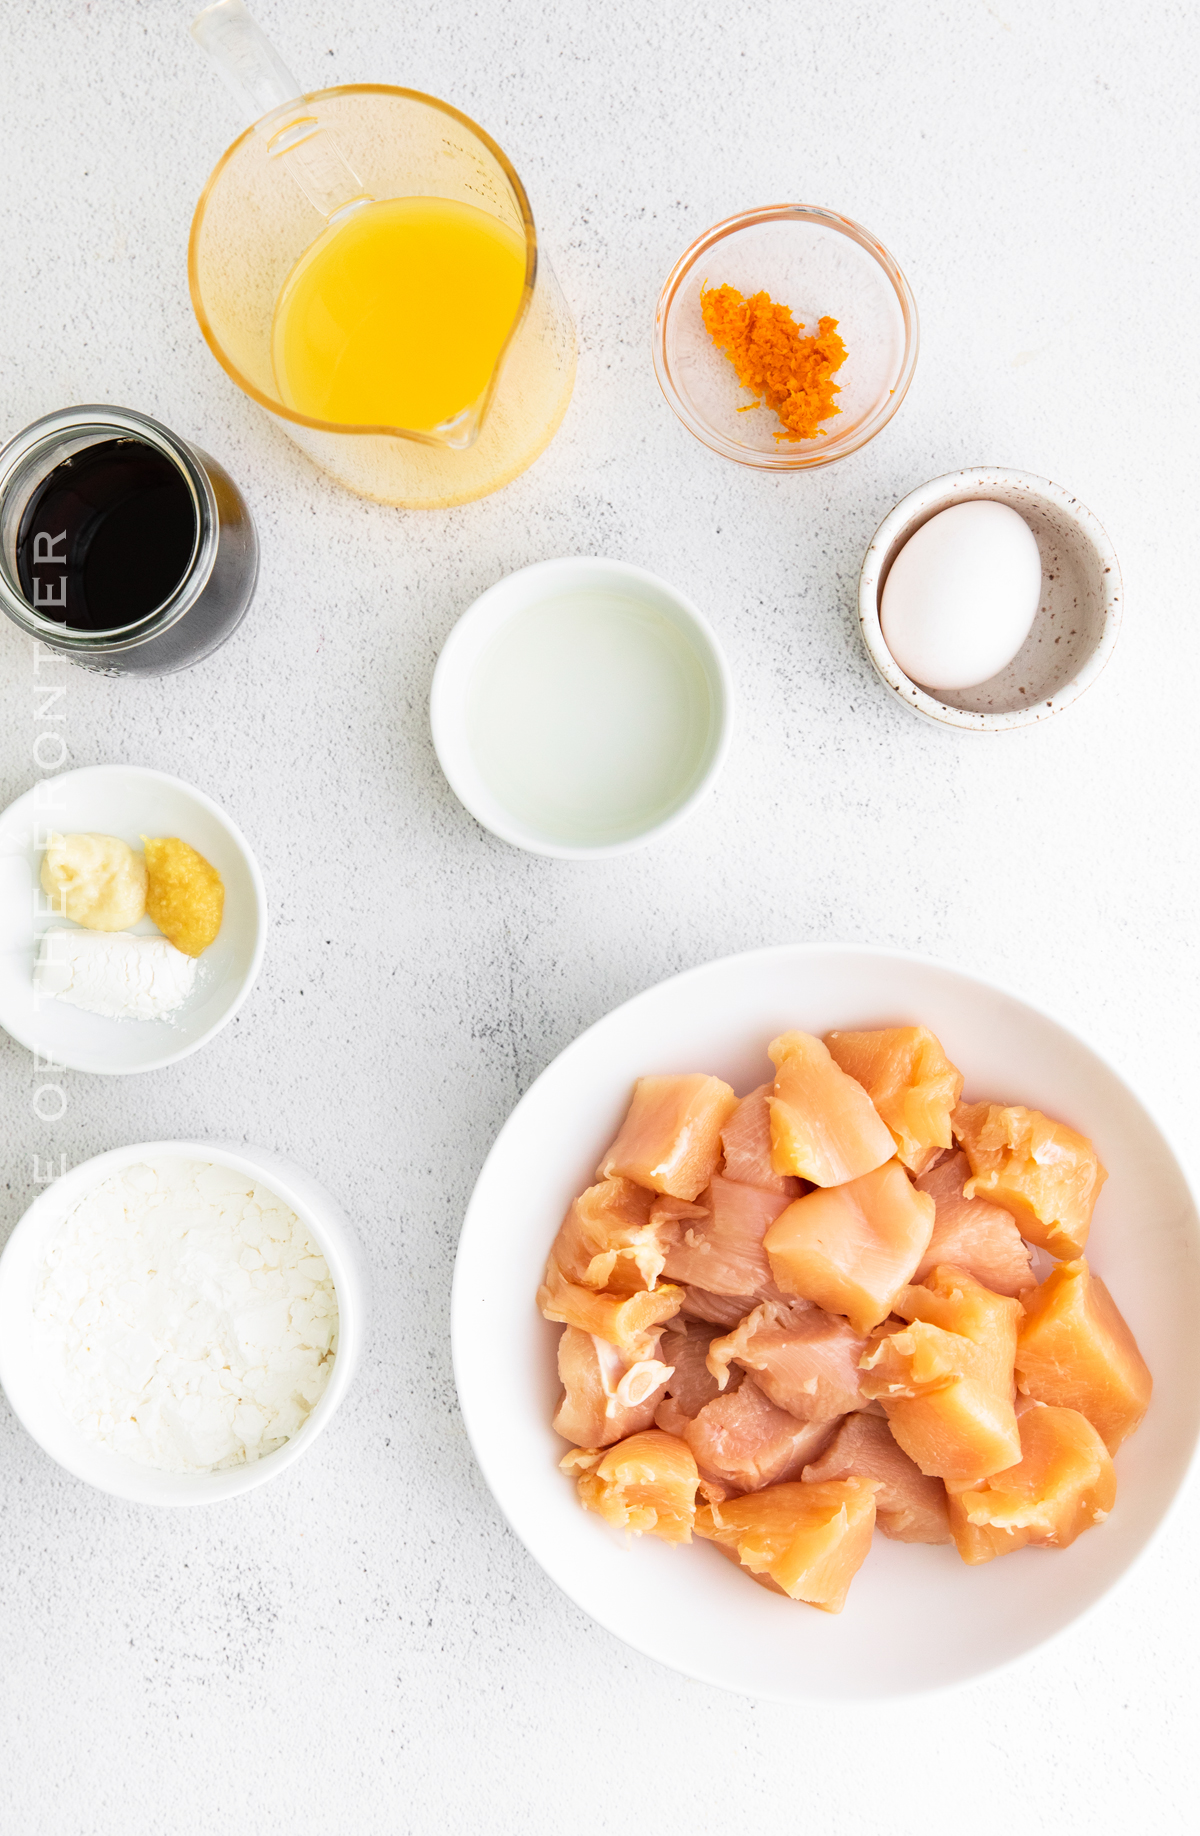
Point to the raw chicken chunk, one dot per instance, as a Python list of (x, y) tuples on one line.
[(670, 1139), (722, 1251), (604, 1399), (972, 1233), (609, 1238), (723, 1310), (852, 1248), (684, 1346), (955, 1301), (824, 1126), (810, 1540), (909, 1507), (911, 1082), (1075, 1351), (628, 1321), (804, 1359), (646, 1484), (959, 1429), (1042, 1171), (1063, 1484), (744, 1441), (746, 1141), (946, 1379)]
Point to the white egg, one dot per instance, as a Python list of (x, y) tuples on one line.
[(962, 595)]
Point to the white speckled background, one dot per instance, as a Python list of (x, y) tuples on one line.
[(362, 1645)]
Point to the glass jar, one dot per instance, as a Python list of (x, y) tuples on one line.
[(209, 600)]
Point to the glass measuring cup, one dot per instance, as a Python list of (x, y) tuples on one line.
[(307, 162)]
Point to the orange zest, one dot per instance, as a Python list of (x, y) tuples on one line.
[(791, 373)]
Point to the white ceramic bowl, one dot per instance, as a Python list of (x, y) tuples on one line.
[(917, 1617), (1078, 619), (128, 801), (577, 835), (29, 1384)]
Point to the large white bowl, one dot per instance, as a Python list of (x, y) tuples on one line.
[(917, 1617), (128, 801), (28, 1381)]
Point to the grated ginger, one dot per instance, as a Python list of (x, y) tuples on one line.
[(791, 373)]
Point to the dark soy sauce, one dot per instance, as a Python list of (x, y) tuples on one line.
[(106, 537)]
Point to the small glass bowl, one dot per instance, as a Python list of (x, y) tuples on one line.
[(820, 265)]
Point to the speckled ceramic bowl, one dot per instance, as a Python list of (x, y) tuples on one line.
[(1077, 621)]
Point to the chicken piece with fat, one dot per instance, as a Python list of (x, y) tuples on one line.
[(646, 1484), (605, 1398), (911, 1082), (1041, 1171)]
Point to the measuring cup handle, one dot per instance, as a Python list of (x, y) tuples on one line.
[(252, 69), (269, 96)]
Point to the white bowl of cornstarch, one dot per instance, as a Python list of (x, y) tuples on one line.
[(179, 1320)]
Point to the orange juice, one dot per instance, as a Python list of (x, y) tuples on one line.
[(396, 316)]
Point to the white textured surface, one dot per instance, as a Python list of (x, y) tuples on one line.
[(363, 1643)]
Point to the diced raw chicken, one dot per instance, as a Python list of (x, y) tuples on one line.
[(961, 1430), (723, 1310), (955, 1301), (646, 1484), (670, 1139), (972, 1233), (744, 1441), (804, 1359), (604, 1399), (853, 1247), (911, 1082), (684, 1346), (1042, 1171), (628, 1321), (1063, 1484), (672, 1216), (1074, 1350), (810, 1540), (609, 1238), (722, 1251), (824, 1126), (909, 1507), (746, 1140), (946, 1379)]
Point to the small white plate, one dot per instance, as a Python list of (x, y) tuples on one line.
[(917, 1617), (128, 801), (581, 708)]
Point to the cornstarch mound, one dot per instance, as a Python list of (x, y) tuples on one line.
[(190, 1320)]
